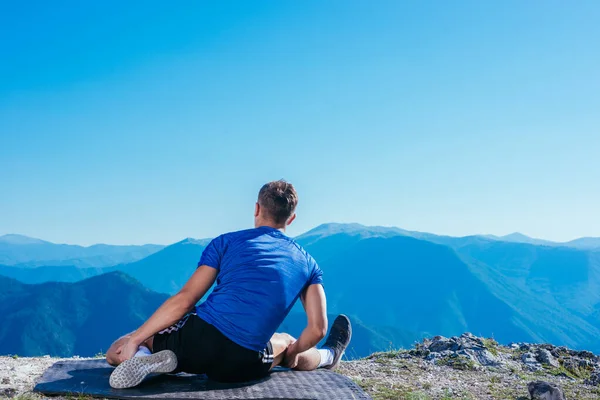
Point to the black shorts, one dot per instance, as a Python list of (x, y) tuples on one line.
[(202, 349)]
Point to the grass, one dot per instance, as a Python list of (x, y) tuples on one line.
[(79, 396), (380, 391), (27, 396), (34, 396), (416, 396), (457, 362), (575, 373), (447, 395), (491, 345)]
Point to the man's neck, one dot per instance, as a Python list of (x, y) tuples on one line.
[(271, 225)]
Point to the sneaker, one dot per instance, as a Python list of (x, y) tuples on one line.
[(133, 371), (338, 339)]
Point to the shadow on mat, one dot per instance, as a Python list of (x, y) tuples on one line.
[(95, 381)]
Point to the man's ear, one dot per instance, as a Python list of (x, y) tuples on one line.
[(291, 219), (256, 209)]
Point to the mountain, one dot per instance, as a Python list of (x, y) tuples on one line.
[(20, 240), (412, 285), (164, 271), (390, 279), (365, 339), (556, 290), (62, 319), (585, 243), (167, 270), (32, 275), (65, 319), (399, 286), (18, 250), (518, 237)]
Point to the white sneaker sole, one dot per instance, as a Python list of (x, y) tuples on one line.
[(133, 371)]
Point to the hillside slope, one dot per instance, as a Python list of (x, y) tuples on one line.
[(413, 285), (63, 319), (400, 288), (30, 252)]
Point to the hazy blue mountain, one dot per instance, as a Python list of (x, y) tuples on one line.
[(32, 275), (167, 270), (20, 240), (517, 237), (544, 293), (556, 290), (400, 285), (585, 243), (164, 271), (18, 250), (412, 285), (365, 339), (63, 319)]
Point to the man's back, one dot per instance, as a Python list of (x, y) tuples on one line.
[(261, 274)]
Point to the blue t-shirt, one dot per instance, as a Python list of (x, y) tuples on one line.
[(261, 275)]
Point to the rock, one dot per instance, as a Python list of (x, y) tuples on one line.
[(5, 380), (540, 390), (482, 357), (440, 343), (586, 354), (544, 356), (524, 347), (8, 392), (593, 380), (575, 366), (531, 362)]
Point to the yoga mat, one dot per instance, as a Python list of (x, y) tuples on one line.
[(90, 377)]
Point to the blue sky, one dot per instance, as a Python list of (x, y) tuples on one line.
[(135, 122)]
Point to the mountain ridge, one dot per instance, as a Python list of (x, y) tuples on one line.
[(403, 287)]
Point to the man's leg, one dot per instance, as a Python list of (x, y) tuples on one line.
[(327, 357), (113, 353), (307, 361)]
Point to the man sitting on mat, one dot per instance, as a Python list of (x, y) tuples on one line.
[(260, 273)]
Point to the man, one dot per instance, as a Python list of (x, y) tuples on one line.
[(259, 274)]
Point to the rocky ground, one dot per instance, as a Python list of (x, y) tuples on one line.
[(468, 367), (465, 367), (18, 375)]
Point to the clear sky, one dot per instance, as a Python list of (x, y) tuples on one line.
[(151, 121)]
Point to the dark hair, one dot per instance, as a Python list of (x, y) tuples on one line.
[(279, 199)]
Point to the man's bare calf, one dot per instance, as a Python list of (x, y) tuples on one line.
[(327, 357), (307, 361)]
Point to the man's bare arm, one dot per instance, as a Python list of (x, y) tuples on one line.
[(315, 304), (178, 305)]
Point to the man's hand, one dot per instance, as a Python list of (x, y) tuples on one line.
[(128, 350), (291, 356)]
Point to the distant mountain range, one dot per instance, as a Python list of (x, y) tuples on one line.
[(581, 243), (63, 319), (399, 286), (23, 251)]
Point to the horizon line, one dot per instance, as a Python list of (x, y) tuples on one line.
[(488, 235)]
